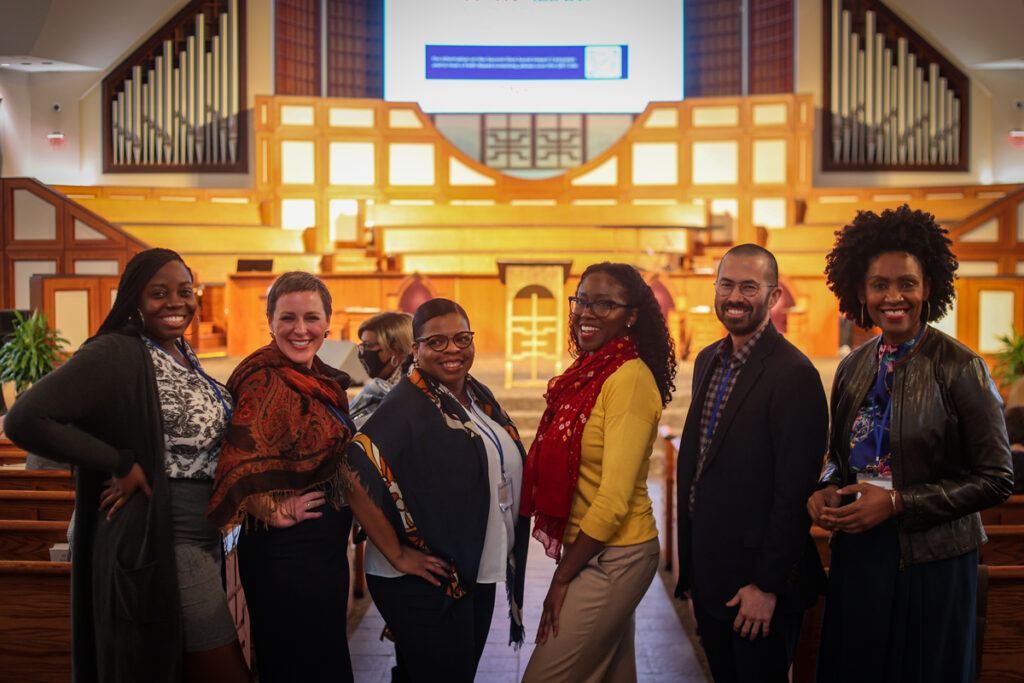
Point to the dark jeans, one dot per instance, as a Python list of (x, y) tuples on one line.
[(738, 660), (435, 641)]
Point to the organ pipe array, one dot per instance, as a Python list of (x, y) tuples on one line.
[(888, 107), (181, 108)]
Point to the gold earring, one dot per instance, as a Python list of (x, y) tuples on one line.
[(863, 326), (928, 310)]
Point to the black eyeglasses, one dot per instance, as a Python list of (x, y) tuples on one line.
[(369, 347), (748, 288), (600, 308), (439, 342)]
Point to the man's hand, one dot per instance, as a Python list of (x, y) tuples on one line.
[(755, 613)]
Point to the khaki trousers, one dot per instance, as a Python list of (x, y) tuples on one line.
[(596, 624)]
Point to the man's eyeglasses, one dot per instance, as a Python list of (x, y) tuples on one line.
[(439, 342), (748, 288), (600, 308)]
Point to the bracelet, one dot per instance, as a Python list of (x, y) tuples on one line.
[(892, 497)]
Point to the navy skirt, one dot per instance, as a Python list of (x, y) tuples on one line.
[(886, 624)]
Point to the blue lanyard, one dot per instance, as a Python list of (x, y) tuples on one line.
[(199, 371), (490, 434), (718, 400), (879, 427), (341, 417)]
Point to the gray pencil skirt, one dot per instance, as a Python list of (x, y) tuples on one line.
[(206, 621)]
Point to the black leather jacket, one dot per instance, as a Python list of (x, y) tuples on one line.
[(950, 453)]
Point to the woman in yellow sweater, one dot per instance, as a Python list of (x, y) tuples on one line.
[(585, 479)]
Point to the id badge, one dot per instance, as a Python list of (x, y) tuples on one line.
[(879, 480), (505, 495)]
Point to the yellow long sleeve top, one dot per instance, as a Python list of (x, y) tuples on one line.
[(611, 503)]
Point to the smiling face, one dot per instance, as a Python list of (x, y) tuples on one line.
[(298, 325), (893, 292), (450, 366), (592, 332), (168, 304), (744, 315)]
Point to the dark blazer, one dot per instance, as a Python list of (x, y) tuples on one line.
[(100, 411), (750, 523)]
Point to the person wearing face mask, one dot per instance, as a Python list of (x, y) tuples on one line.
[(135, 413), (385, 343), (586, 478), (280, 477), (918, 447), (436, 476)]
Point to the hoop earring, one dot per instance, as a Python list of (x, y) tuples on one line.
[(863, 326), (326, 332), (142, 320), (928, 310)]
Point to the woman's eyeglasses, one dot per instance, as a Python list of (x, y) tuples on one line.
[(600, 308), (439, 342)]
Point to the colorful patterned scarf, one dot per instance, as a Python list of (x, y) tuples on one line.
[(553, 465), (422, 461), (288, 433)]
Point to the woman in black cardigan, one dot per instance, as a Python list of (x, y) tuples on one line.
[(133, 410)]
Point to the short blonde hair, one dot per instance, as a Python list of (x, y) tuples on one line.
[(392, 329)]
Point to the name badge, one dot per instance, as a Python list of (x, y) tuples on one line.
[(883, 481), (505, 495)]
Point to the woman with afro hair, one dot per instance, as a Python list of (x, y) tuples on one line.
[(585, 478), (917, 447)]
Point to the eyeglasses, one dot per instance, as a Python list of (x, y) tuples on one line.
[(600, 308), (439, 342), (748, 288), (369, 347)]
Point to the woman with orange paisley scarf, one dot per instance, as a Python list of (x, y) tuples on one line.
[(279, 476), (586, 478)]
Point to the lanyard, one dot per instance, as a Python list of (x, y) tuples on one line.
[(490, 434), (718, 400), (199, 371), (879, 427), (344, 419)]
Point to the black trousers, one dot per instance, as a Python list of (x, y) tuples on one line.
[(296, 588), (434, 641), (734, 659)]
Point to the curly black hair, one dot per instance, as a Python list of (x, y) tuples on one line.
[(654, 345), (904, 229)]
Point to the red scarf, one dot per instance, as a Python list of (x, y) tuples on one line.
[(285, 436), (553, 465)]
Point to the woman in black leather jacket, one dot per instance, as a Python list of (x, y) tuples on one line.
[(917, 448)]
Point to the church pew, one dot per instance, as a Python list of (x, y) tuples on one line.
[(1011, 511), (39, 505), (35, 621), (26, 539), (36, 480), (9, 453), (1002, 655)]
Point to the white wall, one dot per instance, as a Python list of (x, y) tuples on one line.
[(15, 118)]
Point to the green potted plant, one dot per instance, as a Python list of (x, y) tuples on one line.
[(28, 353), (1009, 366)]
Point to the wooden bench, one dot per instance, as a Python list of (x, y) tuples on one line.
[(9, 453), (35, 621), (1010, 511), (39, 505), (30, 540), (37, 480)]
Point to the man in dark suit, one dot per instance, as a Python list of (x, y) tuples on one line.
[(749, 457)]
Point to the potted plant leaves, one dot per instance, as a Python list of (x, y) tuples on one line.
[(1009, 367), (28, 353)]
